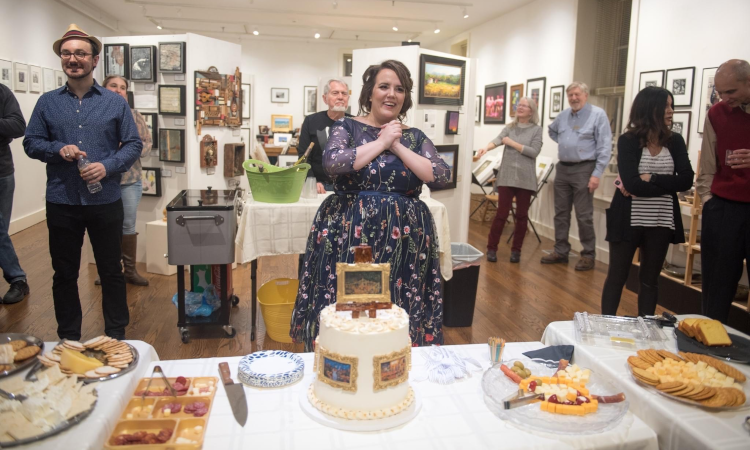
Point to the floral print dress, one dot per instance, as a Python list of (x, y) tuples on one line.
[(379, 206)]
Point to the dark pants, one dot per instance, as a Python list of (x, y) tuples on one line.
[(66, 224), (572, 189), (725, 243), (654, 243), (505, 196), (12, 271)]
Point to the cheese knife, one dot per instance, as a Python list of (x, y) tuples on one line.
[(519, 400), (235, 394)]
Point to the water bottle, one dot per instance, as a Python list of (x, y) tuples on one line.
[(93, 187)]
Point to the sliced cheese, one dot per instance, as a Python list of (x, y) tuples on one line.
[(78, 362)]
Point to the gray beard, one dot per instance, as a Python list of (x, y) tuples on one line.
[(339, 109)]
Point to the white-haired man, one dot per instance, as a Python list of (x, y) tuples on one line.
[(584, 140), (315, 129)]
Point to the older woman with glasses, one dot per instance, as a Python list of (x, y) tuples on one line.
[(522, 139)]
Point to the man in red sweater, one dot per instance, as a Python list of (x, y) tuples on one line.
[(724, 187)]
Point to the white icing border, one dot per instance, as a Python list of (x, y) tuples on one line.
[(359, 415)]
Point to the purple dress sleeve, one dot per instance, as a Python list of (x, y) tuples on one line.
[(440, 169), (340, 151)]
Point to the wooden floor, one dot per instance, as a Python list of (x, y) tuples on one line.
[(514, 301)]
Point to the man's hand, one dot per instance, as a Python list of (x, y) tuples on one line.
[(740, 159), (646, 177), (593, 184), (71, 153), (94, 172), (321, 188)]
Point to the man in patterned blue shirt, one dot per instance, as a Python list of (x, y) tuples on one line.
[(82, 119)]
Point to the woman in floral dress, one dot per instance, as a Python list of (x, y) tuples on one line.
[(378, 166)]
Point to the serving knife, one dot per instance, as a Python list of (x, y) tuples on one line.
[(235, 394), (517, 400)]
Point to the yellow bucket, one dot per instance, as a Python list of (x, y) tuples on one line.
[(276, 299)]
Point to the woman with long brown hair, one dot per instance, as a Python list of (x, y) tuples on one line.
[(645, 214)]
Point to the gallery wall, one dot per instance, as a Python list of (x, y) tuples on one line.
[(20, 42)]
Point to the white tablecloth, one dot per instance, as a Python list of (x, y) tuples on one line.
[(679, 426), (268, 229), (452, 416), (92, 433)]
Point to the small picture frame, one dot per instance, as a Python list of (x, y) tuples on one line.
[(152, 122), (286, 160), (709, 96), (651, 78), (556, 101), (172, 57), (117, 60), (363, 283), (35, 79), (6, 73), (60, 78), (391, 369), (246, 88), (172, 145), (20, 77), (535, 90), (311, 100), (209, 151), (143, 63), (494, 103), (680, 84), (338, 371), (516, 92), (49, 79), (449, 154), (281, 139), (279, 95), (172, 100), (478, 110), (451, 122), (484, 169), (281, 123), (151, 181), (681, 125), (263, 129)]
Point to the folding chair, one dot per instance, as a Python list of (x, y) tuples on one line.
[(536, 194), (486, 199)]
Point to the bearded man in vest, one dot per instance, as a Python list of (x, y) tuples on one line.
[(724, 187)]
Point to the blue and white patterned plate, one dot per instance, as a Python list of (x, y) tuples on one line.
[(271, 368)]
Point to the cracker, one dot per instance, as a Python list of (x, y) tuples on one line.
[(18, 345), (52, 357), (646, 356), (707, 393), (668, 355), (4, 367), (93, 342), (669, 385), (106, 370), (724, 368), (635, 361), (26, 353), (91, 374), (646, 377)]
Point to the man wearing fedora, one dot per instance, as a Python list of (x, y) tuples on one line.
[(84, 120)]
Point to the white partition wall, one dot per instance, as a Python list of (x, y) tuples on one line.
[(456, 200)]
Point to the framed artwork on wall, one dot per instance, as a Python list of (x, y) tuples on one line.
[(449, 154), (536, 89), (281, 123), (279, 95), (286, 160), (516, 92), (652, 78), (172, 100), (131, 100), (171, 145), (218, 98), (152, 122), (143, 63), (709, 97), (117, 60), (680, 84), (282, 139), (49, 79), (556, 100), (311, 100), (151, 181), (35, 79), (486, 166), (20, 77), (60, 78), (478, 109), (6, 73), (246, 88), (441, 81), (172, 57), (494, 103), (451, 122), (681, 125)]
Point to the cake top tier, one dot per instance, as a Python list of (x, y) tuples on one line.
[(387, 320)]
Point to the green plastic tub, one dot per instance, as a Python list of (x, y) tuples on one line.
[(275, 184)]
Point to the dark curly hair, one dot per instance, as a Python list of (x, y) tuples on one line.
[(647, 116), (368, 80)]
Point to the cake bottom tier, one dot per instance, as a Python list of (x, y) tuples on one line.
[(336, 411)]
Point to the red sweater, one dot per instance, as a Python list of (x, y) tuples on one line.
[(732, 127)]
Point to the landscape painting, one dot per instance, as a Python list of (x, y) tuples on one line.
[(442, 80)]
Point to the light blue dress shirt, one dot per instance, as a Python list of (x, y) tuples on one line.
[(583, 136)]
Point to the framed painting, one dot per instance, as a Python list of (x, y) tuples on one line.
[(652, 78), (311, 100), (556, 101), (516, 92), (680, 84), (282, 139), (281, 123), (391, 369), (218, 98), (478, 110), (6, 73), (35, 79), (172, 57), (60, 78), (494, 103), (171, 145), (441, 81), (151, 181), (449, 154), (536, 89), (681, 125), (143, 63), (48, 75), (246, 88), (286, 160), (486, 166), (337, 370), (20, 77), (709, 96), (117, 60), (172, 100), (152, 122), (363, 283), (279, 95), (451, 122)]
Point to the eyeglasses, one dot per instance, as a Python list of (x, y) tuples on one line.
[(78, 54)]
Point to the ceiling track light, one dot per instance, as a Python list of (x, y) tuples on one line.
[(466, 14), (437, 29), (256, 32), (395, 26), (317, 35), (152, 20)]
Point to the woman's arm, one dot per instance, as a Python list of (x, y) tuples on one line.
[(140, 124), (497, 142), (341, 157), (627, 163), (684, 178), (530, 151), (432, 169)]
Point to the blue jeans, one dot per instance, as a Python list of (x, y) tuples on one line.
[(131, 197), (12, 271)]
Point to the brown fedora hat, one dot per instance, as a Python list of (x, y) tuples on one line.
[(75, 32)]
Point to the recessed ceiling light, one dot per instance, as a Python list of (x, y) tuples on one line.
[(348, 60), (437, 30), (409, 40), (466, 14), (395, 26), (317, 35), (256, 32), (159, 27)]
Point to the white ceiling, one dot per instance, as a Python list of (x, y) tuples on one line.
[(350, 23)]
